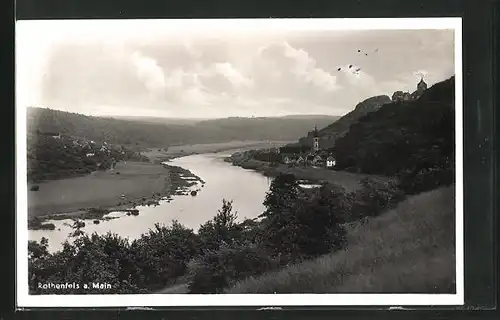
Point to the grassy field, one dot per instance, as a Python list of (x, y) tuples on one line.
[(350, 181), (410, 249), (99, 189)]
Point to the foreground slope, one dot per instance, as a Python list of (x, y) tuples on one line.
[(410, 249)]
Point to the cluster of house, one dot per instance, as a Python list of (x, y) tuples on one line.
[(316, 157), (316, 160), (90, 145), (406, 96)]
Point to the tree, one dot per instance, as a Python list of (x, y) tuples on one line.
[(222, 229), (163, 253), (278, 217), (318, 220)]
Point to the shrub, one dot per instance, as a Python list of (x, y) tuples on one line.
[(163, 253), (374, 197), (216, 270), (427, 178), (90, 259), (35, 188), (319, 220), (222, 229), (298, 225), (151, 262)]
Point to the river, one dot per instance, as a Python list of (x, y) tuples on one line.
[(246, 188)]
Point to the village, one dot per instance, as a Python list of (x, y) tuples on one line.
[(318, 157), (292, 155), (74, 155), (315, 157)]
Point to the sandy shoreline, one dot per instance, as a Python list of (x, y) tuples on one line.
[(95, 195)]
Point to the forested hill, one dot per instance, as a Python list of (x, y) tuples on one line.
[(329, 133), (155, 133), (408, 136)]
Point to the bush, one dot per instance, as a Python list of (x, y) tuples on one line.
[(319, 223), (425, 179), (216, 270), (90, 259), (298, 225), (374, 197), (146, 264), (222, 229), (35, 188), (163, 253)]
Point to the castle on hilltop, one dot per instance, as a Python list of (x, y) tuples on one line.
[(406, 96)]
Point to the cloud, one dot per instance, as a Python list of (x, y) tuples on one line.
[(230, 76), (234, 76), (291, 64), (148, 71)]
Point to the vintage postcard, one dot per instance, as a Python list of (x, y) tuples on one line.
[(239, 162)]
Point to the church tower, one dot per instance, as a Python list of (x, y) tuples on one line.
[(315, 140), (421, 86)]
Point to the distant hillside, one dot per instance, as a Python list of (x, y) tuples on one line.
[(55, 157), (410, 135), (183, 121), (159, 120), (310, 116), (331, 132), (262, 128), (105, 129), (151, 132)]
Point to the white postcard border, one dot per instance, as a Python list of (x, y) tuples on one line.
[(156, 300)]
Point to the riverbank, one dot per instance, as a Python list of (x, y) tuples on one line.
[(348, 180), (158, 155), (93, 196), (129, 185)]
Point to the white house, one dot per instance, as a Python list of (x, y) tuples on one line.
[(330, 162)]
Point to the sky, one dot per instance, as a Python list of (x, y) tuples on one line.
[(222, 68)]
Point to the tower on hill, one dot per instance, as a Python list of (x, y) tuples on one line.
[(315, 139), (421, 86), (406, 96)]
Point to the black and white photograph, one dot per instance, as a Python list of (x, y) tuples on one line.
[(225, 162)]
